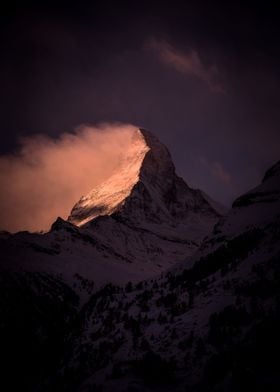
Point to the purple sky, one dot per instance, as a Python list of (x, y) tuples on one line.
[(203, 78)]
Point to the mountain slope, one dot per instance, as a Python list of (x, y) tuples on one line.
[(255, 209), (145, 211), (210, 324), (138, 223), (145, 191)]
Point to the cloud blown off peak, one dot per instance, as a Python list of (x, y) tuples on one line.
[(45, 177)]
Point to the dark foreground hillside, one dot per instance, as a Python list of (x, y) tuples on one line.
[(209, 324), (208, 328)]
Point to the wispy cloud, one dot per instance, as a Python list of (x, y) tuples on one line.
[(189, 63), (217, 170), (47, 176)]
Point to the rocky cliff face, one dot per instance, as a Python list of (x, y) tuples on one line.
[(145, 190), (145, 211)]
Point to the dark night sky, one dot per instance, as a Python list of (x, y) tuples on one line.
[(202, 76)]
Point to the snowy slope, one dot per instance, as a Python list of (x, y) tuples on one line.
[(255, 209), (210, 324), (196, 327), (135, 225), (110, 195)]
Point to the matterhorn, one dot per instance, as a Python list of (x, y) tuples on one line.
[(143, 219)]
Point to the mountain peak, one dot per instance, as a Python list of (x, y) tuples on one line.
[(147, 160), (143, 219), (108, 196), (144, 183), (157, 161), (144, 194)]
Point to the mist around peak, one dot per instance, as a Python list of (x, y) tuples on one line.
[(45, 177)]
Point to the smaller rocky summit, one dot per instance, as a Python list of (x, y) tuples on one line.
[(254, 210), (268, 191)]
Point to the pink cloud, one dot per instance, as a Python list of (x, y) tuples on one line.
[(47, 176), (188, 63)]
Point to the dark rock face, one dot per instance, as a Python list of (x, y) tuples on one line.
[(157, 207), (36, 312), (156, 192), (267, 192), (256, 197), (61, 224)]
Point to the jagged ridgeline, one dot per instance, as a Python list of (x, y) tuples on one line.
[(85, 311)]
